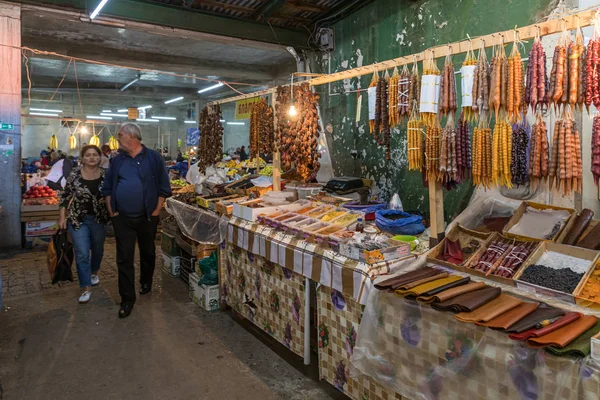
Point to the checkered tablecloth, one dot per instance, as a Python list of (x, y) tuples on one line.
[(421, 353), (320, 265)]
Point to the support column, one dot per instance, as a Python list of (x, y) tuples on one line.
[(10, 113), (436, 212)]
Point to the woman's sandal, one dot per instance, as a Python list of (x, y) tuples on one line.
[(125, 310)]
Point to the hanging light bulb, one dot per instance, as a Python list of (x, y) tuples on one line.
[(84, 129), (292, 111)]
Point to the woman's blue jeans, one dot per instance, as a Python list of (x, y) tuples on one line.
[(88, 243)]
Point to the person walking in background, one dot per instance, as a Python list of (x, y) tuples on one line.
[(83, 211), (136, 187), (243, 154), (106, 155)]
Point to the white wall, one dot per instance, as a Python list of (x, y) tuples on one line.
[(234, 135)]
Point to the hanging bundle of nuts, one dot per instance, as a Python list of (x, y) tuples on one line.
[(373, 84), (415, 142), (414, 87), (566, 171), (467, 80), (261, 128), (404, 106), (463, 149), (482, 154), (538, 154), (481, 84), (210, 149), (430, 91), (515, 99), (448, 102), (537, 81), (394, 112), (520, 148), (381, 130), (502, 154), (297, 138)]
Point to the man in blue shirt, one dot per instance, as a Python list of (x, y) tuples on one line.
[(135, 187)]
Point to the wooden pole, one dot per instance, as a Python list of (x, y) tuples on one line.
[(276, 171), (436, 212), (571, 22)]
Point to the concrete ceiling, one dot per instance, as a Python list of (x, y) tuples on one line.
[(192, 55)]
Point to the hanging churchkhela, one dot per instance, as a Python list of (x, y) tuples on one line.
[(261, 128), (481, 85), (566, 171), (482, 154), (463, 150), (520, 149), (537, 81), (404, 107), (448, 162), (558, 91), (596, 149), (415, 142), (592, 72), (538, 154), (501, 154), (499, 81), (430, 92), (433, 136), (515, 101), (394, 101), (210, 149), (448, 103), (373, 84), (467, 80), (381, 130), (414, 87)]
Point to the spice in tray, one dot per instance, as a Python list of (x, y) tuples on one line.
[(540, 224), (319, 211), (591, 289), (564, 280), (332, 215), (305, 210), (346, 219)]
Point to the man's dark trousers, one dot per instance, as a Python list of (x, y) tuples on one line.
[(127, 231)]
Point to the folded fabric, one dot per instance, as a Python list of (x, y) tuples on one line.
[(542, 313), (534, 333), (469, 301), (407, 278), (579, 347), (565, 335), (408, 286), (424, 287), (453, 292), (488, 311), (509, 318)]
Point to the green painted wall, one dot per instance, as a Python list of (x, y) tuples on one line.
[(387, 29)]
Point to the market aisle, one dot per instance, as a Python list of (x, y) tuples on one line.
[(51, 347)]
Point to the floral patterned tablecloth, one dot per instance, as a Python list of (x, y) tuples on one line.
[(421, 353)]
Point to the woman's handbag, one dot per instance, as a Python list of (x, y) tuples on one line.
[(60, 257)]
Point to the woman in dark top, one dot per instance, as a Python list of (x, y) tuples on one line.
[(83, 212)]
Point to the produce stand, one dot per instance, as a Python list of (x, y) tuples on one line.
[(39, 215)]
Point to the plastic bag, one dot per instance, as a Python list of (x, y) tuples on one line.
[(209, 269), (193, 174), (210, 171), (396, 203), (406, 224)]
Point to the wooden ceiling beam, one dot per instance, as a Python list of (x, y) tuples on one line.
[(303, 6), (234, 7)]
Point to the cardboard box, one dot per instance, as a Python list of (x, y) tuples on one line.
[(584, 301), (41, 228), (392, 253), (171, 265), (205, 297), (521, 210), (169, 245), (37, 241), (251, 214), (464, 236), (578, 252)]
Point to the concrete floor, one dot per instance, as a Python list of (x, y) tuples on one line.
[(53, 348)]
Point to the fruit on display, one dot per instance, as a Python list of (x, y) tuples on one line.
[(266, 171), (178, 182), (113, 143), (72, 142), (296, 138), (211, 140), (40, 195), (53, 145), (95, 141), (262, 129)]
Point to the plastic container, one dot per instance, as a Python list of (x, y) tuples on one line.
[(305, 191), (412, 240)]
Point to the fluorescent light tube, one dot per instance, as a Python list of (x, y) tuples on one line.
[(221, 120), (45, 110), (147, 120), (94, 14), (236, 123), (167, 118), (106, 111), (218, 85), (174, 100), (41, 114), (144, 108), (189, 122), (97, 117), (123, 110), (105, 114)]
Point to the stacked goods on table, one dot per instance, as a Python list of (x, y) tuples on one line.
[(536, 324)]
